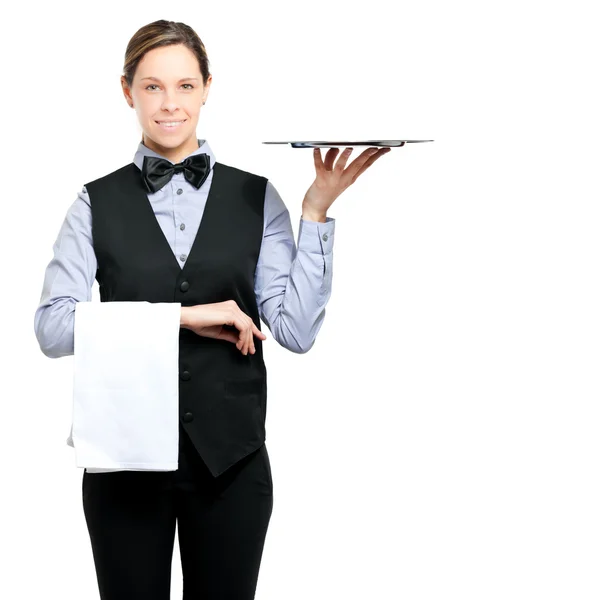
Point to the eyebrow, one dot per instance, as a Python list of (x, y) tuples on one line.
[(184, 79)]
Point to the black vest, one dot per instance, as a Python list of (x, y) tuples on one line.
[(222, 393)]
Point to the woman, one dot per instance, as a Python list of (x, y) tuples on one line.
[(175, 225)]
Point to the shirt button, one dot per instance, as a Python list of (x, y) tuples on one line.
[(180, 191), (325, 237), (183, 257), (182, 226)]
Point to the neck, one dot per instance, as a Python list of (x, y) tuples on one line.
[(175, 155)]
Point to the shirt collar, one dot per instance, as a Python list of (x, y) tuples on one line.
[(143, 150)]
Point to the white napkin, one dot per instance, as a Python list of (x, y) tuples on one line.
[(126, 386)]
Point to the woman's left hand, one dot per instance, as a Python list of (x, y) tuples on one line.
[(331, 181)]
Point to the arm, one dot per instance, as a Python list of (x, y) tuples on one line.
[(293, 285), (68, 279), (184, 318)]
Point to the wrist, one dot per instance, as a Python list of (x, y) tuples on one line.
[(308, 215), (183, 319)]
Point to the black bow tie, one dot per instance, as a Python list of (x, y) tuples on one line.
[(157, 172)]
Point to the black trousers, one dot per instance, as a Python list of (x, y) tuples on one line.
[(221, 525)]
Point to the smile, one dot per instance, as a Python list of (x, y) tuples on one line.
[(170, 124)]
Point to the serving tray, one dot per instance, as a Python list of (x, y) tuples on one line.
[(328, 144)]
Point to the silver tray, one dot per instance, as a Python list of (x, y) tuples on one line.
[(326, 144)]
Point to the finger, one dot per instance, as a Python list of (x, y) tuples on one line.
[(343, 159), (319, 166), (241, 325), (248, 344), (330, 158), (367, 164), (244, 338), (251, 336), (248, 339), (361, 168), (359, 161), (228, 336)]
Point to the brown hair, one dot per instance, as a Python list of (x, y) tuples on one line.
[(163, 33)]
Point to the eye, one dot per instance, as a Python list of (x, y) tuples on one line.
[(154, 85)]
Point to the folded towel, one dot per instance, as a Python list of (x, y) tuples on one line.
[(126, 386)]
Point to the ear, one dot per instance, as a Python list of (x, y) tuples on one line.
[(126, 91)]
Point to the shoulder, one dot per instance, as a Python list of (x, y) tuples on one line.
[(112, 176), (238, 173)]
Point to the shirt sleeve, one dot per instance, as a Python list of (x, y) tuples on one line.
[(293, 284), (68, 279)]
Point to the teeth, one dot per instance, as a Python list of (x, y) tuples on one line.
[(173, 124)]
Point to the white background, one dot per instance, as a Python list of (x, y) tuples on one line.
[(440, 440)]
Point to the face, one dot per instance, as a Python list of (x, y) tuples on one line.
[(168, 86)]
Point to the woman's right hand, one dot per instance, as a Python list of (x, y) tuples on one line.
[(208, 320)]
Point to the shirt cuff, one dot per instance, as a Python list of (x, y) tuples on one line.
[(315, 237)]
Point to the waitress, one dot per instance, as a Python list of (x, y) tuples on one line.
[(174, 225)]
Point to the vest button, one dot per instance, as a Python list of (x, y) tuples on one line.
[(185, 375), (188, 417), (185, 286)]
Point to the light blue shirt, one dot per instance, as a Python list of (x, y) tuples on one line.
[(292, 285)]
